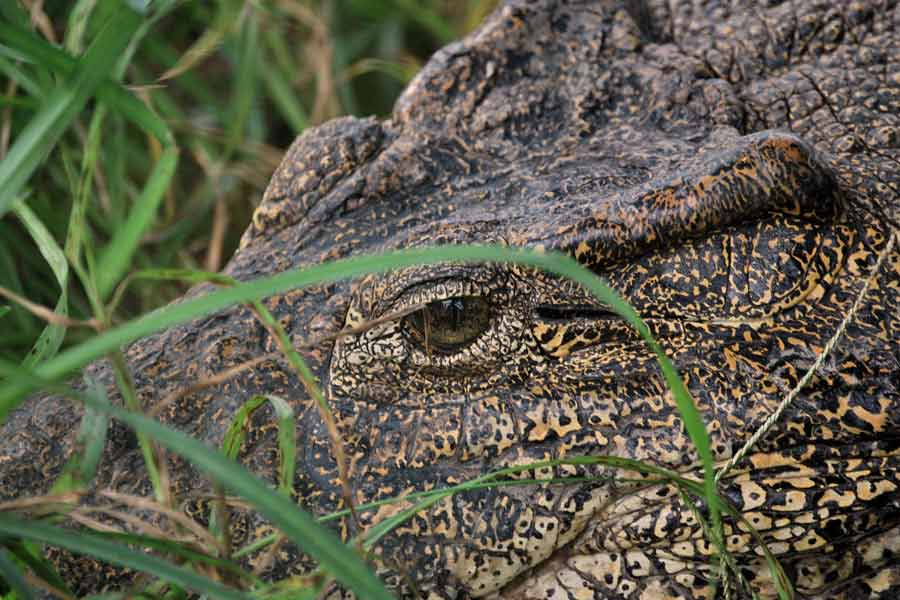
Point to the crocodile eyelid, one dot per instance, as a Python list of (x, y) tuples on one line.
[(770, 171), (432, 291)]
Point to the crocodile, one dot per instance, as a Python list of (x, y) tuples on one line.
[(731, 169)]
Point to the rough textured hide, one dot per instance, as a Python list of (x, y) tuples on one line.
[(731, 168)]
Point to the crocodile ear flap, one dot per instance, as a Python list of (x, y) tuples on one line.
[(315, 164)]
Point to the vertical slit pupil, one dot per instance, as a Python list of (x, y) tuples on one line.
[(450, 312), (451, 323)]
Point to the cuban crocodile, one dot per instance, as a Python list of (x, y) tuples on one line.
[(731, 169)]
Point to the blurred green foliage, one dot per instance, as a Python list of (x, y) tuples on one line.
[(234, 82)]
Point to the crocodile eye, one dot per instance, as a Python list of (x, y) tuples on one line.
[(449, 325)]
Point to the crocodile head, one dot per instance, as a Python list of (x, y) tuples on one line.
[(732, 172)]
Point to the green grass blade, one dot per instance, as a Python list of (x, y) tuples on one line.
[(498, 478), (125, 384), (78, 237), (109, 92), (10, 573), (51, 337), (248, 67), (287, 444), (287, 436), (30, 554), (180, 550), (223, 23), (63, 105), (12, 70), (116, 256), (82, 464), (11, 392), (237, 431), (693, 422), (77, 26), (70, 360), (301, 528), (113, 553)]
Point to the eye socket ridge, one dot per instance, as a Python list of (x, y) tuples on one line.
[(450, 324)]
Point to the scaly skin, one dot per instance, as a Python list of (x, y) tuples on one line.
[(733, 172)]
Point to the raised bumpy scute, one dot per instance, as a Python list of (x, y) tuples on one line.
[(730, 169)]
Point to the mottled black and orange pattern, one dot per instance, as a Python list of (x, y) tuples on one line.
[(732, 168)]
